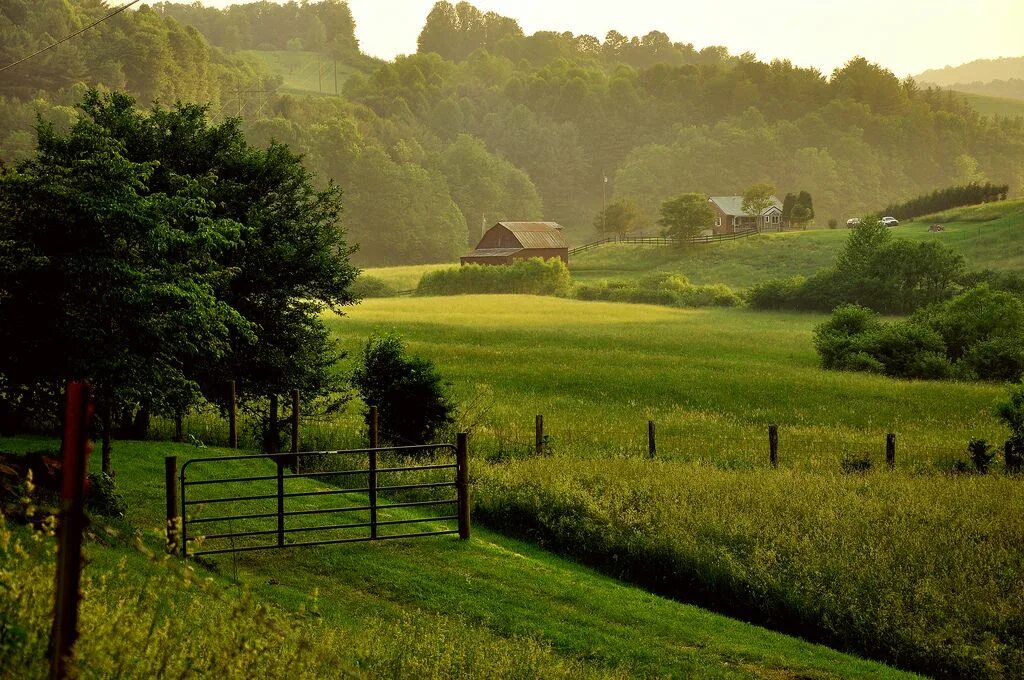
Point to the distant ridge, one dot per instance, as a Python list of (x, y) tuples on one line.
[(978, 71)]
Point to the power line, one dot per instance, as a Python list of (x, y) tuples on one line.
[(69, 37)]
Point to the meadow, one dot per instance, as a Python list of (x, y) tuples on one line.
[(302, 72), (493, 607), (918, 565)]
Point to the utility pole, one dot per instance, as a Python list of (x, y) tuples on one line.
[(483, 224), (319, 74), (335, 77)]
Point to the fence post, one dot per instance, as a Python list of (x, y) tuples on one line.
[(890, 450), (272, 444), (374, 445), (652, 449), (76, 448), (773, 445), (171, 484), (232, 415), (462, 483), (538, 444), (280, 501), (295, 430)]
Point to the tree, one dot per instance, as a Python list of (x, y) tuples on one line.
[(757, 199), (787, 208), (410, 396), (686, 215), (205, 259), (620, 217), (803, 209)]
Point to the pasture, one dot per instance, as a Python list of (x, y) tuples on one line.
[(916, 565)]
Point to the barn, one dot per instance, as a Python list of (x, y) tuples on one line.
[(507, 242)]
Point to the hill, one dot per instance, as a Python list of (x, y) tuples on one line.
[(302, 72), (979, 70), (989, 105), (440, 608), (989, 236)]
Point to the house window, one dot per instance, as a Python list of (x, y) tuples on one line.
[(718, 221)]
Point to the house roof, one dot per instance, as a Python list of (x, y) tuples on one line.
[(733, 205), (493, 252), (537, 234)]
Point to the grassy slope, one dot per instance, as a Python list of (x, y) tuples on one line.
[(988, 105), (303, 72), (493, 585), (404, 278), (988, 236), (713, 379)]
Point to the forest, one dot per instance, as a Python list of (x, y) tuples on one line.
[(486, 123)]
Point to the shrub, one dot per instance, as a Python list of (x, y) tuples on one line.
[(1011, 412), (836, 339), (856, 464), (669, 290), (103, 498), (372, 287), (981, 454), (833, 223), (777, 293), (526, 277), (412, 401)]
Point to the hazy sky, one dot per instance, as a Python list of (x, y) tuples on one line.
[(906, 36)]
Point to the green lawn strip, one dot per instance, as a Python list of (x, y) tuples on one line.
[(499, 584)]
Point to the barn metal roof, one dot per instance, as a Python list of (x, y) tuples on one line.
[(537, 234), (493, 252), (733, 205)]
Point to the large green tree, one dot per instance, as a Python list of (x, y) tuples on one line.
[(158, 255), (686, 215)]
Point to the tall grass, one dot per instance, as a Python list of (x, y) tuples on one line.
[(926, 572)]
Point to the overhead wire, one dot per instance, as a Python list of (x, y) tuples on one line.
[(113, 13)]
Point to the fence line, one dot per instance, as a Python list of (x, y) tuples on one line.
[(664, 240)]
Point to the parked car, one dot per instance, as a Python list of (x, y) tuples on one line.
[(853, 222), (889, 222)]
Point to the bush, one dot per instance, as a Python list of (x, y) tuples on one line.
[(526, 277), (669, 290), (777, 293), (103, 498), (1011, 412), (372, 287), (981, 454), (412, 402)]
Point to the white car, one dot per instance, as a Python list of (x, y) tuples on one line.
[(889, 222), (853, 222)]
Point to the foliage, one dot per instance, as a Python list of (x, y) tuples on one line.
[(757, 199), (620, 217), (874, 270), (366, 286), (1011, 412), (412, 402), (209, 260), (978, 335), (670, 290), (944, 199), (103, 498), (524, 277), (685, 216), (981, 454)]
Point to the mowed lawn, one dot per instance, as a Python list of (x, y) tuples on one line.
[(711, 379), (988, 236)]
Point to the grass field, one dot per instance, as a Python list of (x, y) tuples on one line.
[(994, 106), (862, 560), (432, 608), (303, 72), (988, 236)]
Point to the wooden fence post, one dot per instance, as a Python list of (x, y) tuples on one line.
[(232, 415), (374, 445), (538, 443), (462, 483), (272, 442), (295, 430), (773, 445), (652, 449), (890, 450), (75, 448), (171, 485)]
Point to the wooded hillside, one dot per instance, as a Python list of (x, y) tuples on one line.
[(487, 123)]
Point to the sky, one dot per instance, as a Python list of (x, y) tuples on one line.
[(906, 36)]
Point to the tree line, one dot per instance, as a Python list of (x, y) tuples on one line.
[(944, 199), (487, 123)]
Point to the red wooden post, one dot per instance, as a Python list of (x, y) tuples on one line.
[(75, 448)]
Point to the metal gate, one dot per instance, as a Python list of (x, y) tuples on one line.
[(188, 516)]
